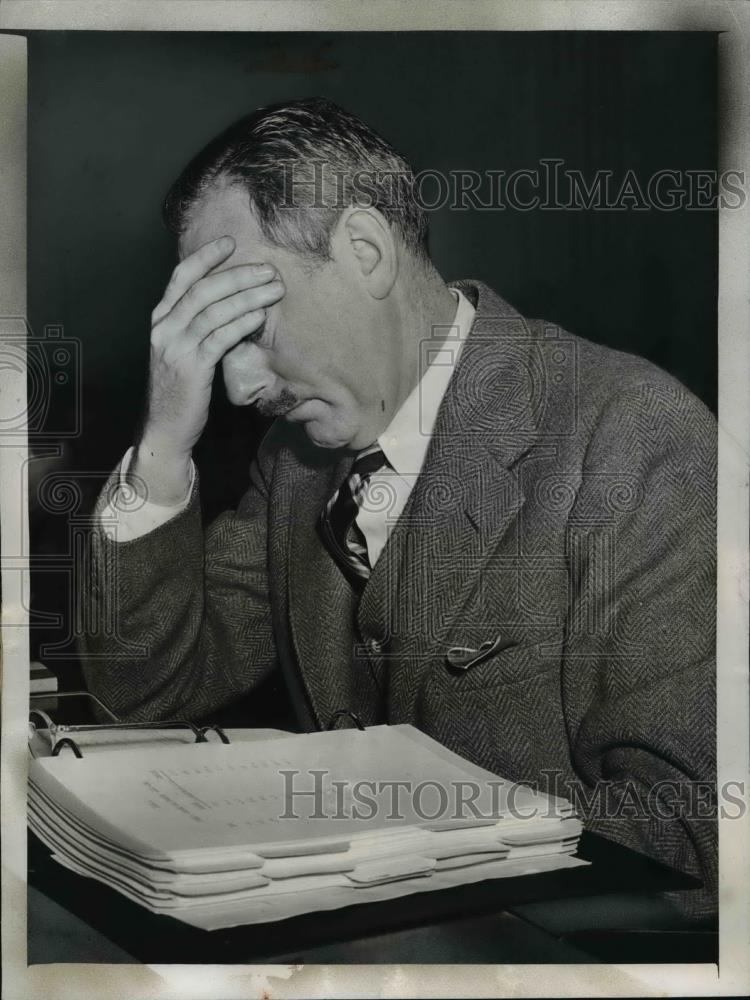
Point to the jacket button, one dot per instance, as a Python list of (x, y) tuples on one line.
[(375, 647)]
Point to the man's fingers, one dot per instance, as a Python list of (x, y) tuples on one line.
[(191, 269), (218, 286), (225, 311), (216, 344)]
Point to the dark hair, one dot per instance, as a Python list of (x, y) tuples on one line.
[(301, 164)]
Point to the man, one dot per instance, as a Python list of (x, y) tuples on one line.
[(468, 521)]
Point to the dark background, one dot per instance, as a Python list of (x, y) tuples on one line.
[(113, 117)]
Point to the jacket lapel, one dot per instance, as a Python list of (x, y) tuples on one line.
[(465, 501), (455, 517), (321, 601)]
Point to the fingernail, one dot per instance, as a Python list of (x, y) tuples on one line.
[(226, 243)]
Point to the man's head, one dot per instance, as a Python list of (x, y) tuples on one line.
[(313, 191)]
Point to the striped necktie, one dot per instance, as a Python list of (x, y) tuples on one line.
[(337, 523)]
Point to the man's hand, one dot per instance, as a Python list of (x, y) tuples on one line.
[(201, 316)]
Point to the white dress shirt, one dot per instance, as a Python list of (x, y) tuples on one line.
[(405, 440), (404, 444)]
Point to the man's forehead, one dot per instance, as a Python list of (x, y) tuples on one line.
[(221, 212)]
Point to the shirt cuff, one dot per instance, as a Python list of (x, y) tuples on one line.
[(127, 517)]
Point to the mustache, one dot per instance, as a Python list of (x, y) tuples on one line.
[(277, 407)]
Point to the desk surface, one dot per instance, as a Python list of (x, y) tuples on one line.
[(467, 924)]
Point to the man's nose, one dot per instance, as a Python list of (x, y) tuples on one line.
[(247, 376)]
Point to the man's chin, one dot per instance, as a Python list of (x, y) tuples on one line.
[(323, 425), (323, 437), (326, 434)]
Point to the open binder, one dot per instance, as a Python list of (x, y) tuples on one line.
[(224, 828)]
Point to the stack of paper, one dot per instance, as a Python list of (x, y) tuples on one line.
[(221, 835)]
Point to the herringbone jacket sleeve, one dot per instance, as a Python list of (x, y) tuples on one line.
[(639, 670), (177, 623)]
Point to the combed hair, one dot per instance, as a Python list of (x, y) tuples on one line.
[(302, 163)]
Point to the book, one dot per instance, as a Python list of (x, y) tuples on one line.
[(271, 825)]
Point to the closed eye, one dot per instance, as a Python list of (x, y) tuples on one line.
[(256, 336)]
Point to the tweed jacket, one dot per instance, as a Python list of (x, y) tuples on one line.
[(564, 516)]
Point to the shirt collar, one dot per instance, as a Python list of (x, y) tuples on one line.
[(405, 440)]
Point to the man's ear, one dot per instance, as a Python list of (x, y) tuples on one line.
[(366, 240)]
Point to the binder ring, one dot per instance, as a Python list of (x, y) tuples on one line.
[(61, 741), (66, 741), (217, 729), (340, 715)]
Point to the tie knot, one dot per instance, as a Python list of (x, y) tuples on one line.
[(368, 461)]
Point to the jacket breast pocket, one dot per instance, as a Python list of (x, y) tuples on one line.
[(493, 667)]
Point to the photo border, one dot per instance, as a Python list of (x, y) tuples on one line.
[(733, 702)]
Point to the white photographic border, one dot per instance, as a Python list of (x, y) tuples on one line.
[(222, 982)]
